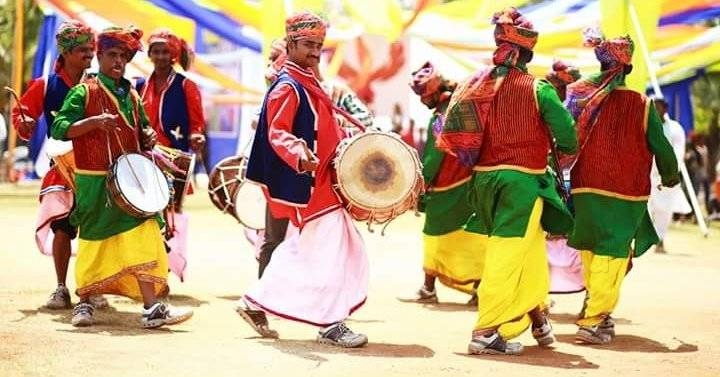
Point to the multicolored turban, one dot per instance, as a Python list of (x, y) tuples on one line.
[(73, 33), (426, 80), (305, 25), (562, 74), (512, 27), (609, 51), (127, 39), (180, 51)]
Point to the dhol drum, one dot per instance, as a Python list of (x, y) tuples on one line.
[(183, 165), (379, 177), (138, 186), (62, 154), (231, 193)]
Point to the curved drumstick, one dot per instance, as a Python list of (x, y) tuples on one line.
[(19, 104)]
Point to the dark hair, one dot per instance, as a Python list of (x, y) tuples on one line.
[(526, 56)]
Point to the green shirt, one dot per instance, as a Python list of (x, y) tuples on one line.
[(73, 108), (556, 116)]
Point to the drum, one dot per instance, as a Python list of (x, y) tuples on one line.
[(379, 177), (181, 171), (231, 193), (138, 186), (62, 154)]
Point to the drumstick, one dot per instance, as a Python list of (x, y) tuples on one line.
[(19, 104)]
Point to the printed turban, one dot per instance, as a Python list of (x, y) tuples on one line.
[(127, 39), (180, 51), (609, 51), (73, 33), (562, 74), (426, 80), (305, 25), (512, 27)]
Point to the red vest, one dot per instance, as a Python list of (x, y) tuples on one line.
[(90, 149), (616, 159), (516, 136)]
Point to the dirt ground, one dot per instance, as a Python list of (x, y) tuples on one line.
[(668, 317)]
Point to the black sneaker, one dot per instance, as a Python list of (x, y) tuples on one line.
[(340, 335), (493, 344), (592, 335)]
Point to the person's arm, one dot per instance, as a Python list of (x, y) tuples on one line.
[(282, 105), (69, 122), (350, 102), (193, 101), (556, 116), (32, 103), (660, 146)]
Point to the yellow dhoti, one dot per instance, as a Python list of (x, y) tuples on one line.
[(515, 279), (456, 258), (114, 265), (603, 278)]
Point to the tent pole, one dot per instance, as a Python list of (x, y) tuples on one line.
[(656, 88)]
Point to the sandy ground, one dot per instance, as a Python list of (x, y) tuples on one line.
[(668, 317)]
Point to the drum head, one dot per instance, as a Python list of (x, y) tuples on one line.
[(142, 183), (250, 205), (377, 170)]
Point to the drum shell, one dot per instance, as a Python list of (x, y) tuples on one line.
[(112, 185), (65, 165)]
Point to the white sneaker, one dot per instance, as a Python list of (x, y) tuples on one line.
[(163, 314), (83, 315)]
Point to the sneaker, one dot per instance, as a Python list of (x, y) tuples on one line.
[(83, 315), (543, 334), (162, 314), (59, 299), (493, 344), (422, 296), (99, 302), (592, 335), (257, 320), (340, 335), (607, 326)]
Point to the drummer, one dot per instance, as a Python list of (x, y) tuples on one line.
[(265, 241), (44, 96), (118, 253), (174, 107), (320, 276)]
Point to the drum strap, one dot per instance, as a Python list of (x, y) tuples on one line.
[(324, 98)]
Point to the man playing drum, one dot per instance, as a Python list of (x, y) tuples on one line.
[(343, 97), (319, 276), (118, 253), (497, 122), (452, 252), (619, 131), (174, 107), (44, 96)]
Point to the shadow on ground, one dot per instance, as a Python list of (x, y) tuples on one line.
[(634, 343), (542, 357), (313, 351)]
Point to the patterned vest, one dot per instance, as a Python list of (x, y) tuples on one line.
[(516, 137), (265, 167), (615, 159), (91, 149)]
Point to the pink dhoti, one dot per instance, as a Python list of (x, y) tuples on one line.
[(55, 203), (318, 276), (566, 271), (177, 258)]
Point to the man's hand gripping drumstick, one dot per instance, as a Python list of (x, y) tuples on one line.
[(28, 123)]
